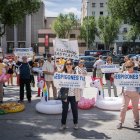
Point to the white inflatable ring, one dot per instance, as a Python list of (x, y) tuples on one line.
[(49, 107), (109, 103)]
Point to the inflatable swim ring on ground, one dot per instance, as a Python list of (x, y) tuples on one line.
[(48, 106), (11, 107), (130, 105), (107, 103), (85, 103)]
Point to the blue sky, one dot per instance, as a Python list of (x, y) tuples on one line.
[(54, 7)]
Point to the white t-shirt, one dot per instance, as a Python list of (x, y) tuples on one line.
[(48, 66), (98, 63), (129, 88)]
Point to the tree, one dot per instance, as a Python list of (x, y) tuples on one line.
[(88, 31), (63, 25), (13, 11), (128, 10), (108, 29)]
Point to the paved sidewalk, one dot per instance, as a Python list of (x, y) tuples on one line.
[(95, 124)]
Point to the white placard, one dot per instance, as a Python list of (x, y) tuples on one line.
[(23, 52), (69, 80), (66, 48), (110, 68), (128, 80)]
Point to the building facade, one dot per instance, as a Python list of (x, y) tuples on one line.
[(98, 8), (24, 34), (46, 37)]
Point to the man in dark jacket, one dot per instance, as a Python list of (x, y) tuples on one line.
[(25, 75)]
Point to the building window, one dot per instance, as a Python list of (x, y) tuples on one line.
[(101, 13), (101, 4), (52, 35), (72, 35), (41, 35), (10, 47), (93, 13), (124, 37), (93, 4), (124, 30)]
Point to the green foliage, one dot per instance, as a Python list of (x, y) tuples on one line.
[(13, 11), (63, 25), (133, 33), (108, 28), (88, 30), (126, 10)]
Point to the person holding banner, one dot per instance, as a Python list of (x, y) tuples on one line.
[(130, 93), (97, 65), (109, 78), (80, 69), (73, 98), (49, 69)]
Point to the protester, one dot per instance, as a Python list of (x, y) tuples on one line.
[(2, 69), (109, 77), (49, 69), (73, 98), (40, 74), (25, 75), (97, 65), (81, 69), (130, 93), (10, 71)]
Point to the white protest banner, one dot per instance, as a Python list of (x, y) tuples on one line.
[(128, 80), (69, 80), (66, 48), (110, 68), (23, 52)]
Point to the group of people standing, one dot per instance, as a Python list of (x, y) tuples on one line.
[(128, 93)]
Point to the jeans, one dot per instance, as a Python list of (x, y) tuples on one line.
[(25, 82), (74, 107)]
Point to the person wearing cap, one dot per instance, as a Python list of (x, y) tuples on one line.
[(49, 69), (97, 65)]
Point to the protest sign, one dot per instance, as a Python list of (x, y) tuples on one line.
[(110, 68), (66, 48), (128, 80), (69, 80), (23, 52)]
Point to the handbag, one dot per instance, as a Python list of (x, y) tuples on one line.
[(63, 93)]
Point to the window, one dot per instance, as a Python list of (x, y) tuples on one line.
[(101, 4), (101, 13), (124, 37), (72, 35), (93, 4), (124, 30), (93, 13)]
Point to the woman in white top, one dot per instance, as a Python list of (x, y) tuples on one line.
[(130, 93), (73, 98)]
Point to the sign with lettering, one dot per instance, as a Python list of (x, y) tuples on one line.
[(128, 80), (110, 68), (66, 48), (69, 80)]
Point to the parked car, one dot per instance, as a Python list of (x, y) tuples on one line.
[(89, 62)]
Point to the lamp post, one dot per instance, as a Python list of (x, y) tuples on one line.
[(87, 24)]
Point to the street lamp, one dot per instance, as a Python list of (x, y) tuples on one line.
[(87, 23)]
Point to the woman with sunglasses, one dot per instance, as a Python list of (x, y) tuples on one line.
[(130, 93), (109, 78), (73, 98)]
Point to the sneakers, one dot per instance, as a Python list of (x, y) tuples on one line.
[(136, 125), (75, 126), (119, 126), (62, 127)]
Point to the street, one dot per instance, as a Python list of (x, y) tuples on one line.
[(93, 124)]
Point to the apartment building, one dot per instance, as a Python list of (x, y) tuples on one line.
[(98, 8)]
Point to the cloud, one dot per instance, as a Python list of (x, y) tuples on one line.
[(51, 13), (73, 10)]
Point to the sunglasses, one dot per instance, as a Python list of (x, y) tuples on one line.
[(128, 67), (68, 64)]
